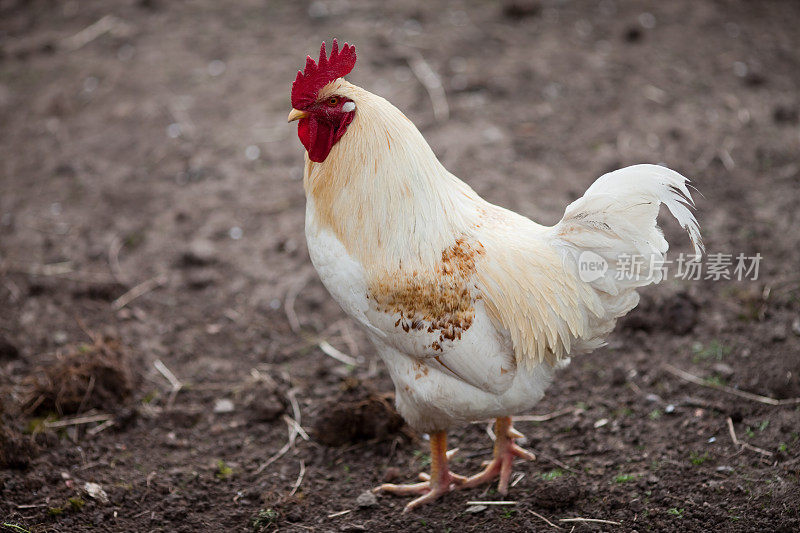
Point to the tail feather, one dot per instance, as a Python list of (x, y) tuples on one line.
[(616, 220), (649, 183)]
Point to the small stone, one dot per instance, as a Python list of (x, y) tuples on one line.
[(366, 499), (199, 253), (216, 67), (669, 409), (96, 491), (796, 326), (779, 333), (724, 469), (60, 337), (476, 509), (653, 398), (600, 423), (223, 405), (723, 370), (252, 152)]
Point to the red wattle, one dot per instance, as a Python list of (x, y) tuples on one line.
[(318, 137)]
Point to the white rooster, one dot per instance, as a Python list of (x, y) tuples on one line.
[(472, 307)]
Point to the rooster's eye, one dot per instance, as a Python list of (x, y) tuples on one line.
[(332, 101)]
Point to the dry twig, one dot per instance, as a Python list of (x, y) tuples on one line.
[(277, 455), (291, 297), (174, 382), (106, 24), (296, 426), (545, 417), (537, 515), (137, 291), (491, 503), (102, 427), (527, 418), (432, 84), (295, 429), (299, 478), (558, 463), (79, 421), (594, 520), (736, 392), (340, 356), (737, 442), (62, 270), (113, 259)]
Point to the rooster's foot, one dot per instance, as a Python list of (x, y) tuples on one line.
[(505, 450), (438, 483)]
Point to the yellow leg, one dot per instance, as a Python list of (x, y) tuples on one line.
[(439, 482), (504, 453)]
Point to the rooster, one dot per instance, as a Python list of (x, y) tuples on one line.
[(472, 307)]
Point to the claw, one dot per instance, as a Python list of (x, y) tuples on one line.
[(438, 483), (514, 434), (504, 453)]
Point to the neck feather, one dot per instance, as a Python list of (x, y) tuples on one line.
[(383, 192)]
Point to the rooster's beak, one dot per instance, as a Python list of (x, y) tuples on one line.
[(296, 114)]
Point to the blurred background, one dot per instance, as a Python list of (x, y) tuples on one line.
[(154, 278)]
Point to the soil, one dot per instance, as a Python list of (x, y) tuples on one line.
[(144, 148)]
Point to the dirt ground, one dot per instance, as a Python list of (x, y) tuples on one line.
[(155, 281)]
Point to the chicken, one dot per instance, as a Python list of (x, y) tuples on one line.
[(472, 307)]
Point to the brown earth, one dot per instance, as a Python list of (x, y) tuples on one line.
[(144, 142)]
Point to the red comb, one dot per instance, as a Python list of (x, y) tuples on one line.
[(318, 75)]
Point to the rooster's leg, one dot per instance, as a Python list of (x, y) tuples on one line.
[(504, 453), (439, 482)]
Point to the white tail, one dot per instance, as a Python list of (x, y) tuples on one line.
[(616, 220)]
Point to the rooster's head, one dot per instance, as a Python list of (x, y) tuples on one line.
[(323, 114)]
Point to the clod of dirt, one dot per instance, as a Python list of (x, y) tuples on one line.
[(680, 313), (556, 493), (264, 406), (779, 381), (198, 279), (88, 376), (618, 376), (182, 417), (633, 35), (16, 451), (786, 115), (199, 253), (520, 9), (676, 314), (7, 350), (366, 418), (105, 292)]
